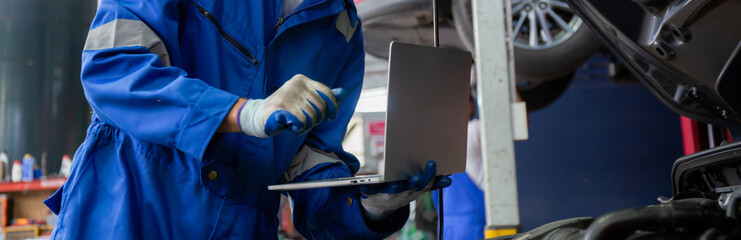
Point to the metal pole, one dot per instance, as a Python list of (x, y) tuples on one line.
[(495, 76), (436, 38)]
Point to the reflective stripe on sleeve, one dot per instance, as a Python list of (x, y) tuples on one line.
[(345, 26), (307, 158), (127, 33)]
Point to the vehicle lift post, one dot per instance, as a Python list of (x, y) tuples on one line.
[(502, 118)]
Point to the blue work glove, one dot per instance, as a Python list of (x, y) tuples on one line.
[(380, 200), (298, 105)]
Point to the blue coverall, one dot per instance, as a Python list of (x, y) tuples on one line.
[(161, 76), (464, 209)]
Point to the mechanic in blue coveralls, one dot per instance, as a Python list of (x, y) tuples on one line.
[(200, 105)]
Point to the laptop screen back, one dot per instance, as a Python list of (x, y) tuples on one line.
[(428, 110)]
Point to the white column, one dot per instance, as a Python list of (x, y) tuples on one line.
[(495, 76)]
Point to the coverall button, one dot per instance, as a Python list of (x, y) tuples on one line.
[(349, 201), (212, 175)]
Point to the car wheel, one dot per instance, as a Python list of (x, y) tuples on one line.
[(550, 41)]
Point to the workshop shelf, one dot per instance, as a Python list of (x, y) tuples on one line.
[(35, 185)]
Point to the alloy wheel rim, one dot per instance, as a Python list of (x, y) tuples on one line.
[(542, 24)]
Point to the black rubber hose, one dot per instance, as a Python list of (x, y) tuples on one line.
[(689, 214), (712, 234)]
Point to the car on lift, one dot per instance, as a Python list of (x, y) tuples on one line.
[(550, 41), (686, 52)]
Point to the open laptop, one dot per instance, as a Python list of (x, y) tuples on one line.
[(426, 116)]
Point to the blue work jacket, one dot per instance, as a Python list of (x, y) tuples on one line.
[(465, 212), (161, 75)]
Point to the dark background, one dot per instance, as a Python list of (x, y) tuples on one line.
[(601, 147), (42, 106)]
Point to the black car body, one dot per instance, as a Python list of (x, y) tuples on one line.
[(687, 53)]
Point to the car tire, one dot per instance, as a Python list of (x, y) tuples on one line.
[(535, 65), (545, 93), (542, 75)]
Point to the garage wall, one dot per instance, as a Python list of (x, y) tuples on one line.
[(601, 147)]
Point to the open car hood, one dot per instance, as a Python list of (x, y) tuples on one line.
[(685, 51)]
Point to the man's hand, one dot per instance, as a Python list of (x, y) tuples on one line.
[(381, 200), (298, 105)]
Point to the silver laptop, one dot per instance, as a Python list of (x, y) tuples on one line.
[(426, 116)]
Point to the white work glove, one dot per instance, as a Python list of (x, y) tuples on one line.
[(298, 105), (380, 200)]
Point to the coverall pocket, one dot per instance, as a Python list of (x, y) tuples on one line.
[(218, 178), (209, 52)]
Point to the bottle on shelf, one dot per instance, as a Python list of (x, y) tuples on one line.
[(28, 164), (17, 171), (66, 165), (8, 166), (44, 160), (4, 170)]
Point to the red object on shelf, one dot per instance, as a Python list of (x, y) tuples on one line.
[(42, 184)]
